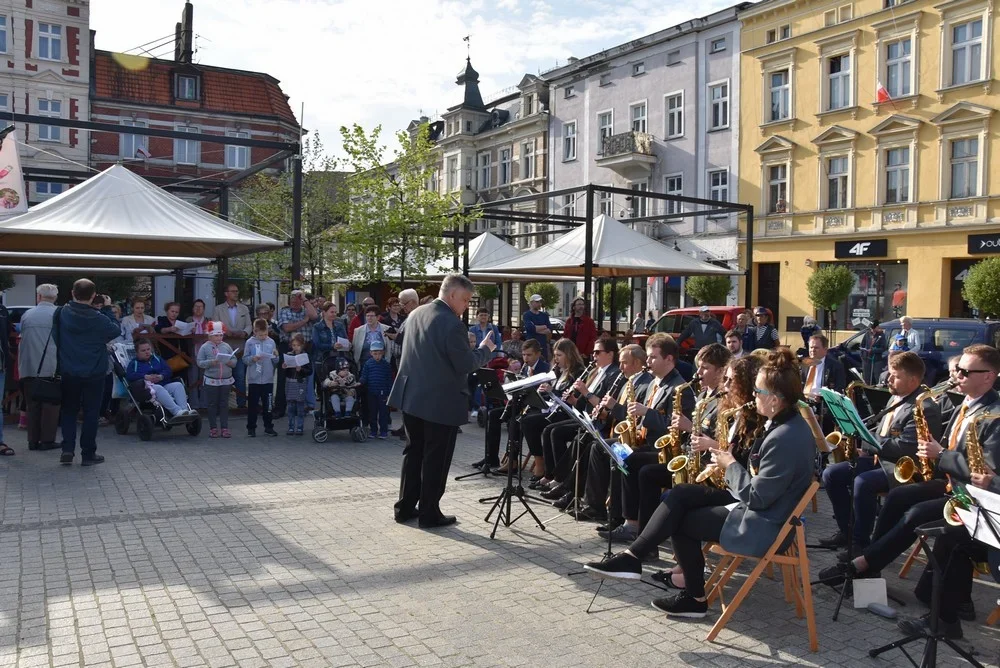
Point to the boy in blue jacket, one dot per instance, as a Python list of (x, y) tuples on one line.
[(150, 368), (376, 376)]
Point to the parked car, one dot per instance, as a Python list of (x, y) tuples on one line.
[(14, 315), (942, 339), (676, 320), (558, 325)]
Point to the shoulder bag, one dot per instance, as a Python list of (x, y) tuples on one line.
[(48, 390)]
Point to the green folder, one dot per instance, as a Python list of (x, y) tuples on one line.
[(847, 419)]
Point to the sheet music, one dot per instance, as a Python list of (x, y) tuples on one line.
[(977, 520)]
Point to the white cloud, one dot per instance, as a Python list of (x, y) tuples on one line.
[(383, 61)]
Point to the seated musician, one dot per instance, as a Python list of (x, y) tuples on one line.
[(781, 470), (569, 365), (611, 410), (945, 400), (909, 506), (653, 422), (897, 436), (585, 394), (532, 364), (822, 369)]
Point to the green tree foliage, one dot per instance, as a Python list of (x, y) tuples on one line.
[(6, 280), (548, 291), (828, 287), (393, 223), (710, 290), (982, 287), (623, 296), (487, 292)]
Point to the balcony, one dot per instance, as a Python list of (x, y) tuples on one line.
[(629, 154)]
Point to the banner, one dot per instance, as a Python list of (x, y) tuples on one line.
[(13, 198)]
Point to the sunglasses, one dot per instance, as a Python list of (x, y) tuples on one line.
[(765, 393), (965, 373)]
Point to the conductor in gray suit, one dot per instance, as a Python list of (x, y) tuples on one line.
[(431, 390)]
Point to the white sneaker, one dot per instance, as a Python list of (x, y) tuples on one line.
[(474, 414)]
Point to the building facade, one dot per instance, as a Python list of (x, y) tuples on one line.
[(865, 141), (660, 114)]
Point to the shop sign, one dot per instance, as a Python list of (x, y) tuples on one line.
[(847, 250), (980, 244)]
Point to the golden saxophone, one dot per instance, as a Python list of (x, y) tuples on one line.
[(807, 413), (977, 464), (906, 468), (690, 463), (841, 445), (626, 429), (716, 475), (669, 445)]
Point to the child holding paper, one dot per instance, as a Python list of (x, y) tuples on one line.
[(297, 371), (260, 356), (217, 359)]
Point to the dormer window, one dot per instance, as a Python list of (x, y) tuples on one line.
[(187, 87), (529, 105)]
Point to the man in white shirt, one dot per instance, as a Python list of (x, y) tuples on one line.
[(913, 340), (825, 370)]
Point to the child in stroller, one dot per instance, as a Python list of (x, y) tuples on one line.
[(341, 403), (340, 383)]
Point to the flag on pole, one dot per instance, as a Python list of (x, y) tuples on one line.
[(13, 199), (882, 95), (142, 153)]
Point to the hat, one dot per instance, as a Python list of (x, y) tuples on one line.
[(535, 298), (342, 363), (703, 309), (875, 323), (377, 345), (215, 327), (760, 310)]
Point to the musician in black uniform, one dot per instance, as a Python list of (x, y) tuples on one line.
[(909, 506), (897, 436)]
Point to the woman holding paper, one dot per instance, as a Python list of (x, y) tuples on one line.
[(329, 335), (169, 324)]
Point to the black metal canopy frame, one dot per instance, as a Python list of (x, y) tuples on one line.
[(502, 210)]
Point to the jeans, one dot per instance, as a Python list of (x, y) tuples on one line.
[(259, 400), (171, 396), (869, 480), (311, 391), (335, 403), (81, 392), (240, 376), (378, 413), (296, 411)]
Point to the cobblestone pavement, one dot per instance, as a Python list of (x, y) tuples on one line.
[(282, 552)]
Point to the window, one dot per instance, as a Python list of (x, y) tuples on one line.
[(717, 45), (781, 91), (898, 65), (836, 182), (638, 68), (529, 105), (638, 205), (469, 172), (674, 58), (830, 18), (718, 185), (238, 157), (845, 13), (838, 82), (4, 102), (187, 87), (133, 146), (503, 173), (186, 151), (638, 114), (675, 115), (452, 173), (605, 80), (784, 32), (897, 175), (772, 36), (569, 205), (468, 126), (49, 189), (605, 128), (569, 141), (483, 171), (51, 108), (673, 185), (719, 112), (528, 160), (569, 92), (606, 204), (966, 52), (49, 41), (777, 189), (3, 34), (964, 167)]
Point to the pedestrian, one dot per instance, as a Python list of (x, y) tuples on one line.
[(216, 360), (5, 363), (537, 325), (430, 390), (376, 376), (81, 333), (235, 317), (36, 362), (298, 317), (297, 376), (261, 355)]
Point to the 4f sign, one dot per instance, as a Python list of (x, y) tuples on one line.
[(861, 248)]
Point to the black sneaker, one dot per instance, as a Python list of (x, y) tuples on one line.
[(252, 433), (66, 458), (682, 604), (922, 625), (622, 566), (856, 551), (476, 465), (91, 460), (270, 432), (836, 540)]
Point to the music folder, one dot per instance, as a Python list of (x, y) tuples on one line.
[(616, 451), (847, 419), (529, 387), (982, 520)]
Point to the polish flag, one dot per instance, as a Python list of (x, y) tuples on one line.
[(882, 95), (142, 153)]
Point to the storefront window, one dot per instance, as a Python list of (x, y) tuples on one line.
[(879, 293)]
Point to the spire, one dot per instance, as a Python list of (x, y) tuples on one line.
[(469, 78)]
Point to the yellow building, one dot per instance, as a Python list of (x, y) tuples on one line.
[(865, 139)]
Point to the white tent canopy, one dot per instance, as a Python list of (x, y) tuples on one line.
[(117, 212), (618, 250)]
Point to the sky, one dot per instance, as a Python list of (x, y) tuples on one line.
[(384, 62)]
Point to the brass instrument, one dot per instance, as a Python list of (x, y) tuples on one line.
[(974, 457), (626, 429), (690, 463), (840, 447), (806, 411), (716, 475), (906, 467), (670, 444)]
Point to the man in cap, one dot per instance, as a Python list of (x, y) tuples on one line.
[(762, 334), (537, 325), (705, 330)]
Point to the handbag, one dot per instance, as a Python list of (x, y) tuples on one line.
[(177, 364), (47, 390)]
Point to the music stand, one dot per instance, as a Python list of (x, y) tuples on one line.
[(487, 378), (582, 419), (845, 415)]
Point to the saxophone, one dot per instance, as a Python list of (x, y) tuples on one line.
[(670, 444), (906, 467), (713, 474), (841, 445), (977, 464), (626, 429), (690, 463)]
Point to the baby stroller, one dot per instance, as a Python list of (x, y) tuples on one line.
[(147, 411), (324, 420)]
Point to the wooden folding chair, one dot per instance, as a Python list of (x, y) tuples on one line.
[(994, 616), (794, 566), (915, 555)]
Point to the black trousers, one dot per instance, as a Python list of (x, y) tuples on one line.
[(426, 462), (494, 430), (643, 485), (677, 503), (690, 523), (556, 439), (259, 401), (955, 553), (532, 426), (279, 398), (905, 508), (599, 481)]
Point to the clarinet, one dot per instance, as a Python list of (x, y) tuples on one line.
[(576, 394), (572, 379)]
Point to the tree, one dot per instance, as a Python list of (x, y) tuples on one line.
[(393, 223), (548, 291), (982, 287), (829, 287), (488, 291), (6, 281), (710, 290), (623, 296)]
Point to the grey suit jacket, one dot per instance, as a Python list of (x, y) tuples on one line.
[(785, 471), (902, 437), (243, 320), (954, 462), (432, 382), (658, 417)]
